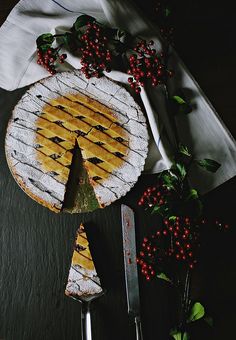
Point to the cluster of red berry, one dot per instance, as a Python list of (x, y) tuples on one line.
[(177, 240), (146, 64), (179, 244), (96, 57), (155, 195), (49, 58), (148, 257)]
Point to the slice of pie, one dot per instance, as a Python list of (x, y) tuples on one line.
[(83, 280), (74, 144)]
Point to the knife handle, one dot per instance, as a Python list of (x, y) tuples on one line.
[(138, 328), (86, 322)]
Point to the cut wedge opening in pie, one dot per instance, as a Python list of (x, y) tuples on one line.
[(74, 144)]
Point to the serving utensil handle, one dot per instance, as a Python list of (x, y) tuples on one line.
[(138, 328), (86, 322)]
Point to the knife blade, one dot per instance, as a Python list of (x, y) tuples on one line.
[(130, 266)]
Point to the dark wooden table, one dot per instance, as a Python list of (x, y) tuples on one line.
[(36, 244)]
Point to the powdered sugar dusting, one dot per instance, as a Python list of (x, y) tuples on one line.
[(82, 282)]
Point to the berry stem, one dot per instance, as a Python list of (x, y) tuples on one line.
[(185, 301)]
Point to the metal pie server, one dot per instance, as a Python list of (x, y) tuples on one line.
[(130, 265)]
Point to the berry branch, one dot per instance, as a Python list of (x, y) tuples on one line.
[(98, 46)]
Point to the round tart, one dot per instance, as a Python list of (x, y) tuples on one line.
[(75, 144)]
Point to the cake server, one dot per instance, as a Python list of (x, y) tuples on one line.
[(83, 283), (130, 266)]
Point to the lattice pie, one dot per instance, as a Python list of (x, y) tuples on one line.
[(74, 144)]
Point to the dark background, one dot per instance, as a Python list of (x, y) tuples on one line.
[(36, 245)]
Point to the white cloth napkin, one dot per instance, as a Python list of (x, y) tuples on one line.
[(201, 130)]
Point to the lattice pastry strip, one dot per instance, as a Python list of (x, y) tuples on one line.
[(67, 145), (109, 143), (106, 166), (90, 149), (51, 147), (65, 159), (50, 164), (95, 106), (58, 131), (46, 133), (94, 170), (103, 165), (53, 113), (73, 124), (82, 255), (77, 109)]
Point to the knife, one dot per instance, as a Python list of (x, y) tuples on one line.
[(130, 265)]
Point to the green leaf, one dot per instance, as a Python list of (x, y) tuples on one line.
[(172, 218), (45, 47), (181, 169), (163, 276), (156, 209), (82, 20), (184, 150), (160, 209), (169, 180), (179, 100), (178, 335), (179, 105), (193, 195), (45, 39), (72, 40), (197, 312), (208, 164), (167, 11), (209, 320), (178, 170)]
